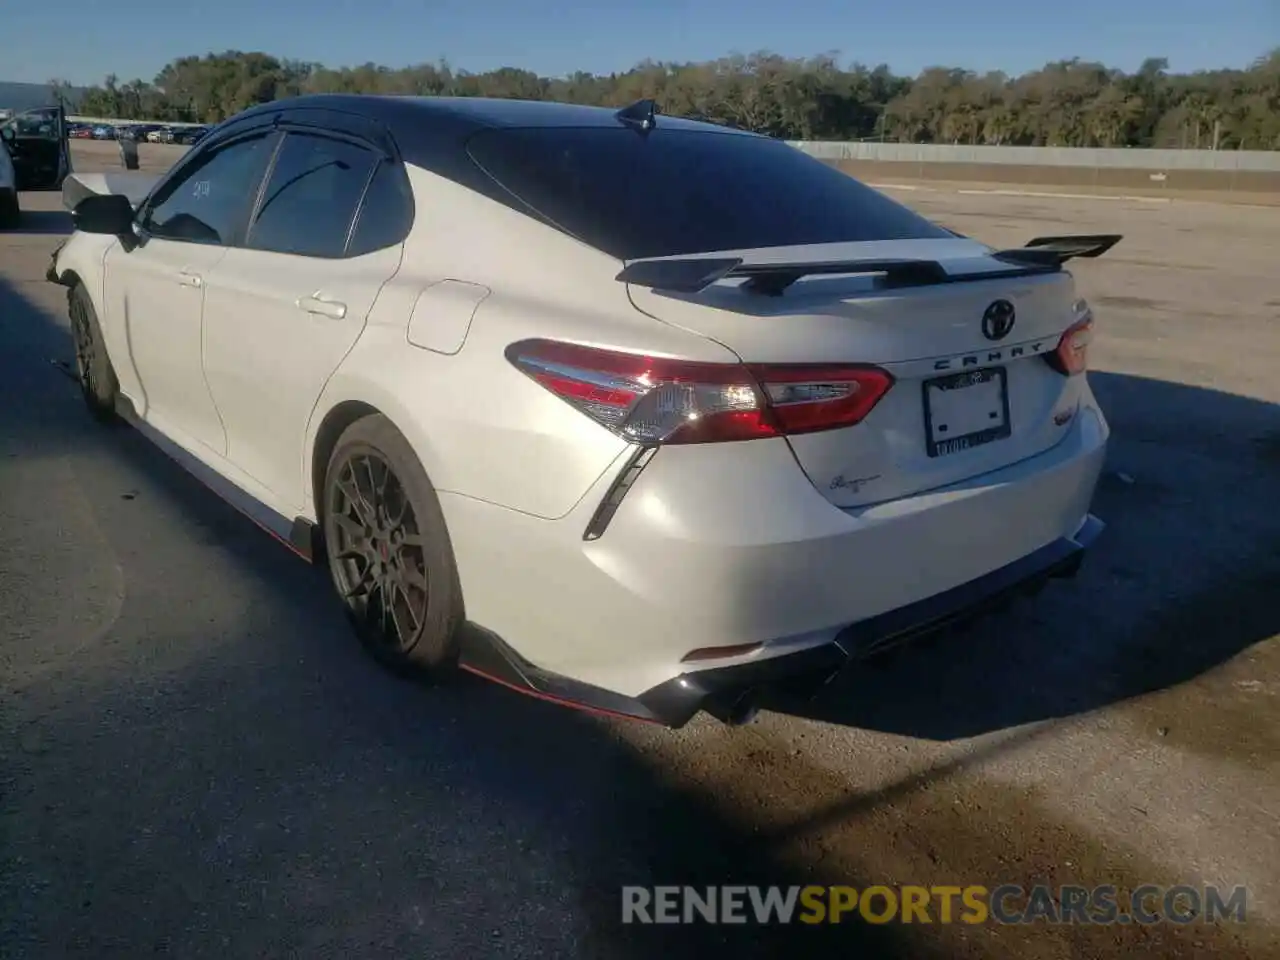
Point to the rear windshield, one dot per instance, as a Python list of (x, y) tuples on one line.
[(680, 191)]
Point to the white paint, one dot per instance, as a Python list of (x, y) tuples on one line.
[(442, 315)]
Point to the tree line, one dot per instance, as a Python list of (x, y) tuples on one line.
[(1073, 103)]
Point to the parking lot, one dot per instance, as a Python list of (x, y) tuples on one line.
[(197, 760)]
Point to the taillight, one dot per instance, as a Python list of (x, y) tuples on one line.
[(1072, 353), (659, 400)]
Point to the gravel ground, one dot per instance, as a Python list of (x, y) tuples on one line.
[(196, 760)]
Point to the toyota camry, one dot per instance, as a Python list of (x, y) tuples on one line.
[(625, 411)]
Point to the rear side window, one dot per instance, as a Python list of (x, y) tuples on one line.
[(680, 191), (310, 201), (386, 214)]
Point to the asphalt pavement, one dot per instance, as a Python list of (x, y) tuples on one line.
[(197, 760)]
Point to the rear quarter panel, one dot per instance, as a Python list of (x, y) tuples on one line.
[(481, 427)]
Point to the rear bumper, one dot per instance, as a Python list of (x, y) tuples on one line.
[(725, 690)]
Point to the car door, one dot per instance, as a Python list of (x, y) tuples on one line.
[(41, 156), (283, 309), (154, 290), (63, 159)]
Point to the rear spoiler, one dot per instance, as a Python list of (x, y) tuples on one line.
[(693, 274), (1055, 251)]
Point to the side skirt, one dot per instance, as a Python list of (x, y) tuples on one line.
[(298, 534)]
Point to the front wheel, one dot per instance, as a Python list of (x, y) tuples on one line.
[(98, 384), (388, 550)]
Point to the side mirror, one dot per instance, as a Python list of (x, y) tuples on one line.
[(110, 213)]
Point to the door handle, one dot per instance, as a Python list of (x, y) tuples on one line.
[(189, 279), (322, 306)]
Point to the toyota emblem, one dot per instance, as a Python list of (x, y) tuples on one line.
[(998, 320)]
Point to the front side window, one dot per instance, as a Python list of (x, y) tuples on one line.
[(311, 199), (207, 204)]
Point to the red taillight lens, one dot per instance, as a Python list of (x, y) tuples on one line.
[(660, 400), (805, 398), (1072, 354)]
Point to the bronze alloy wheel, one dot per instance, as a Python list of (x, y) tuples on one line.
[(86, 354), (94, 372), (389, 553), (377, 552)]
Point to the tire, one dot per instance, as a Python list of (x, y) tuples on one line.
[(97, 377), (388, 550), (10, 214)]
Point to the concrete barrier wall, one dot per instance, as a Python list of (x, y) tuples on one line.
[(1256, 161), (1148, 172), (1138, 181), (115, 122)]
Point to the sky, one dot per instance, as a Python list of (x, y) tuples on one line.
[(135, 38)]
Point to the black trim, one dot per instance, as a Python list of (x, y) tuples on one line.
[(485, 654), (617, 490), (305, 539), (729, 691)]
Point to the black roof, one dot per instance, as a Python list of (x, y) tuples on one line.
[(465, 115), (432, 132)]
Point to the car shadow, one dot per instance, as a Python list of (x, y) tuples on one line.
[(497, 824), (43, 222), (218, 771), (1188, 567)]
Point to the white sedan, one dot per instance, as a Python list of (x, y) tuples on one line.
[(632, 413)]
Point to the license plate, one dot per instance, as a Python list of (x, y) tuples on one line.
[(966, 410)]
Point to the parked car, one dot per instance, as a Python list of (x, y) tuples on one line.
[(633, 413), (36, 149), (157, 135), (188, 135)]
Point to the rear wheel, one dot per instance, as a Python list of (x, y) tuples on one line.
[(98, 384), (10, 214), (388, 550)]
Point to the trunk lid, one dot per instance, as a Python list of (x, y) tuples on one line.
[(962, 403)]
